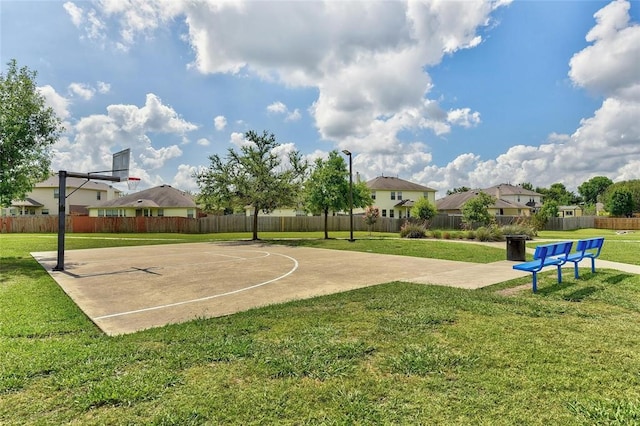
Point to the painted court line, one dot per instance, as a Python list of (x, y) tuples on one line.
[(185, 302)]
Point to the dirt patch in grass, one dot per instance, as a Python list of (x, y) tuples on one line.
[(512, 291)]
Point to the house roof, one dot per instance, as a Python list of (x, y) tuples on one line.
[(27, 202), (389, 183), (508, 189), (457, 200), (160, 196), (74, 182)]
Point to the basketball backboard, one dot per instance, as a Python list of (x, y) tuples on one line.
[(120, 166)]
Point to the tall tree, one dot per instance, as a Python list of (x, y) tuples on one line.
[(632, 186), (558, 193), (255, 176), (527, 185), (423, 209), (28, 128), (327, 188), (620, 203), (593, 188)]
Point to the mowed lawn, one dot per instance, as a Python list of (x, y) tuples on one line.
[(397, 353)]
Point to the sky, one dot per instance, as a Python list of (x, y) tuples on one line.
[(440, 93)]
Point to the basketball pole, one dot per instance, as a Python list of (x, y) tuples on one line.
[(62, 206)]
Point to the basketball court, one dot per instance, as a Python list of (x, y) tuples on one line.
[(128, 289)]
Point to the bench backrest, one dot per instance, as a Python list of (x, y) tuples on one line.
[(555, 249), (590, 244)]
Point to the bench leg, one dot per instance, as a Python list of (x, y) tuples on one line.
[(593, 265), (559, 274), (535, 282), (575, 270)]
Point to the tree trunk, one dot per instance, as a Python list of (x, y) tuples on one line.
[(326, 224), (255, 225)]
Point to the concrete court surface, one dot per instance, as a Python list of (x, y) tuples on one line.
[(128, 289)]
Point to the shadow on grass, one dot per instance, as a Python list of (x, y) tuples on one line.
[(19, 266), (581, 294), (616, 279)]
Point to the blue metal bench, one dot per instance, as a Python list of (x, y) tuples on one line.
[(546, 255), (589, 248)]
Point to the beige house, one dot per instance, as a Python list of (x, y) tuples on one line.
[(44, 198), (511, 200), (395, 197), (160, 201), (569, 211)]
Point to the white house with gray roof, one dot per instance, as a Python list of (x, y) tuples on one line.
[(160, 201), (395, 197)]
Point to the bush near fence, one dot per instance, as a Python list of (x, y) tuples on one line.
[(233, 223)]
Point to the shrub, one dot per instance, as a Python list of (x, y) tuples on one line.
[(446, 235), (412, 230), (437, 234), (496, 233), (483, 234), (520, 229), (471, 235)]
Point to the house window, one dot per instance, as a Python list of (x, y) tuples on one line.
[(45, 211), (146, 212), (56, 192), (98, 196), (568, 213), (391, 213), (160, 212), (100, 212), (190, 213), (425, 195), (518, 198), (373, 195), (399, 196), (384, 212), (393, 195)]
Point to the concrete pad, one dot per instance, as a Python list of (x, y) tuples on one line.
[(128, 289)]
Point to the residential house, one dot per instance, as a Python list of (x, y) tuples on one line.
[(160, 201), (569, 211), (44, 198), (395, 197), (510, 201)]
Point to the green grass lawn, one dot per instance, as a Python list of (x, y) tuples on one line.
[(397, 353)]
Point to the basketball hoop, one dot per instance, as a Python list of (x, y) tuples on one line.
[(132, 183)]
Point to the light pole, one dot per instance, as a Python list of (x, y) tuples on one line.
[(348, 153)]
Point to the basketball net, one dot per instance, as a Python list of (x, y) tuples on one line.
[(132, 183)]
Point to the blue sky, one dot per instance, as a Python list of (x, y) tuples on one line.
[(444, 94)]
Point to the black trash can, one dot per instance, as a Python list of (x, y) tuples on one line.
[(516, 247)]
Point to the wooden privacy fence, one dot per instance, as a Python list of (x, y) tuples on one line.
[(232, 223)]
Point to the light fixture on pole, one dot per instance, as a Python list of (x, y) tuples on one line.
[(348, 153)]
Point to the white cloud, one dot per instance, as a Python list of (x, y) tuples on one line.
[(96, 137), (103, 87), (220, 122), (238, 139), (368, 59), (203, 142), (277, 108), (82, 90), (463, 117), (74, 12), (59, 103), (184, 179)]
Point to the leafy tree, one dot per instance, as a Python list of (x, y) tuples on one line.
[(558, 193), (620, 203), (476, 210), (459, 189), (327, 188), (548, 210), (593, 188), (254, 176), (633, 186), (371, 215), (28, 128), (423, 209)]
